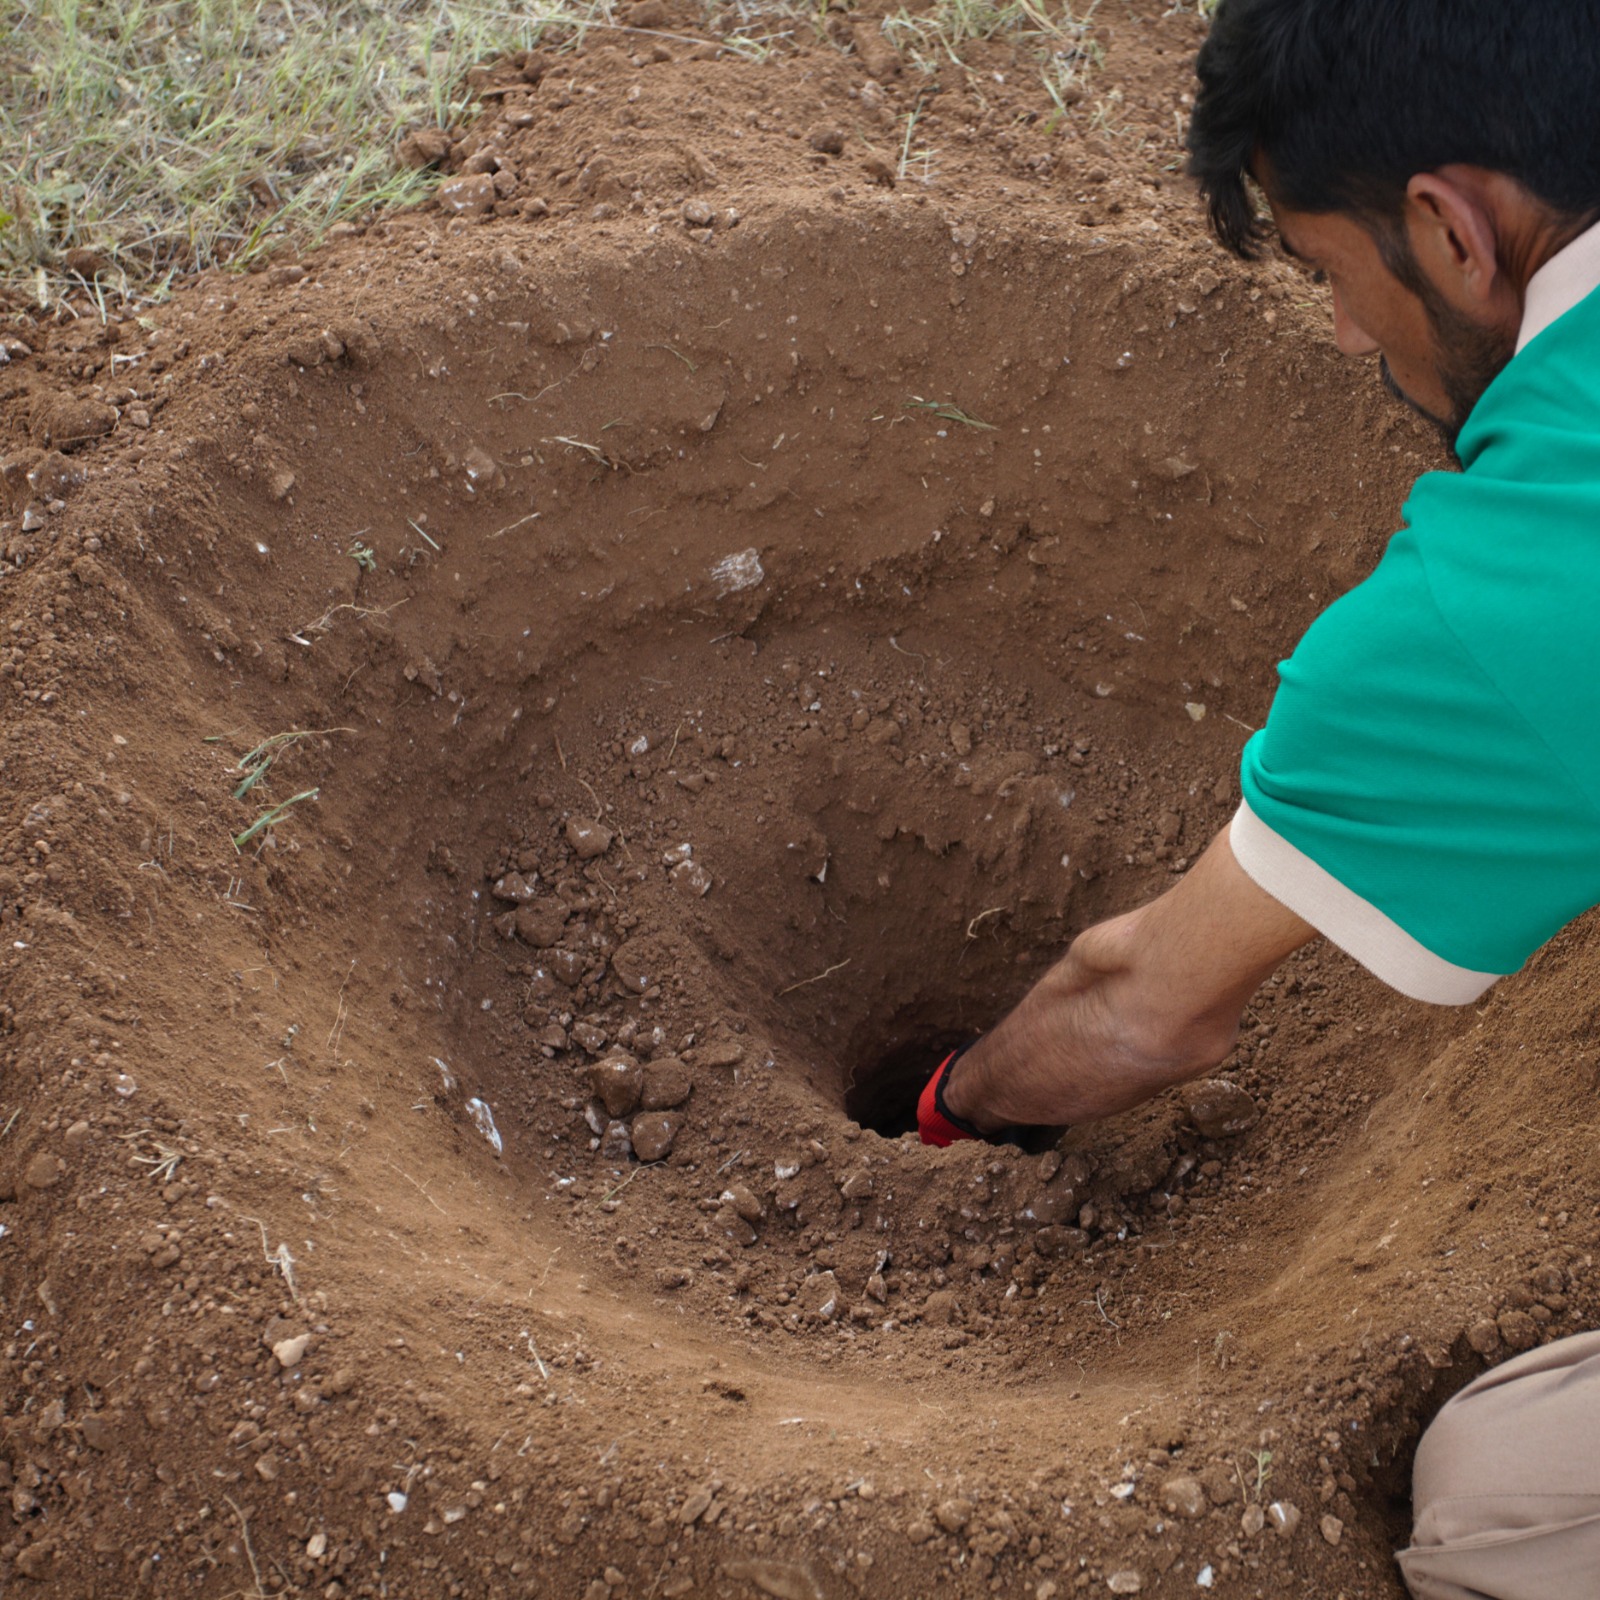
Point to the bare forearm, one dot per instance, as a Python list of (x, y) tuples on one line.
[(1137, 1004)]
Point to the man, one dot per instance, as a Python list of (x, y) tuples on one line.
[(1426, 792)]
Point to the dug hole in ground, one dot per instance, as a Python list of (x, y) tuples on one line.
[(667, 679)]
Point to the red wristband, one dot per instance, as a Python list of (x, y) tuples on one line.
[(937, 1124)]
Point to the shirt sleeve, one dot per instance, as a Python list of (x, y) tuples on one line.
[(1398, 801)]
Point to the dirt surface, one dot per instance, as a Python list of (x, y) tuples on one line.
[(486, 1178)]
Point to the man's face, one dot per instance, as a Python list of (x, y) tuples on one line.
[(1431, 356)]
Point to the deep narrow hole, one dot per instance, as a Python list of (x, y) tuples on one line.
[(883, 1091)]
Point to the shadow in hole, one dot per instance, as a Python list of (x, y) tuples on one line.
[(883, 1094)]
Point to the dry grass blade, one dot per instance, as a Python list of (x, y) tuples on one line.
[(270, 817)]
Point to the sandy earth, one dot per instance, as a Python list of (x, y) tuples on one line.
[(705, 729)]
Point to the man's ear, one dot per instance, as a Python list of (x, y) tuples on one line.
[(1453, 239)]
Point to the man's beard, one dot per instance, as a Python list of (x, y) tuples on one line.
[(1468, 360)]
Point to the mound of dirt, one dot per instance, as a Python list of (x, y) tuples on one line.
[(523, 735)]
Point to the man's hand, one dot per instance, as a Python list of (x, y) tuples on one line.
[(1136, 1004)]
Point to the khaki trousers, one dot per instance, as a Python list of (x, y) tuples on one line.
[(1506, 1486)]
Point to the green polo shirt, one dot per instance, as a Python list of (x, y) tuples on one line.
[(1426, 791)]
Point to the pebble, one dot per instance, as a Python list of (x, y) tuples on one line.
[(697, 214), (1220, 1109), (673, 1277), (618, 1083), (857, 1185), (514, 889), (1128, 1581), (43, 1171), (541, 925), (1332, 1529), (468, 195), (692, 880), (694, 1507), (588, 839), (1253, 1521), (743, 1201), (820, 1295), (289, 1352), (1284, 1516), (653, 1133), (953, 1515), (1484, 1337), (1183, 1496), (616, 1143), (317, 1546), (1517, 1328), (735, 1228), (785, 1580), (633, 967), (829, 141), (666, 1084)]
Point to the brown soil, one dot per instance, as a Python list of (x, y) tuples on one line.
[(709, 705)]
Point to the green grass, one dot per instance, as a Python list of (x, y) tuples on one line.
[(140, 139), (1057, 37), (165, 136)]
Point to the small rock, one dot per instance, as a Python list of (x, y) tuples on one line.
[(634, 968), (281, 484), (317, 1546), (423, 147), (1127, 1581), (691, 880), (784, 1580), (653, 1133), (541, 925), (514, 889), (735, 1228), (941, 1307), (666, 1084), (1252, 1521), (43, 1171), (953, 1515), (32, 519), (35, 1560), (673, 1278), (1284, 1516), (697, 214), (695, 1507), (77, 1135), (1517, 1328), (1484, 1337), (616, 1143), (588, 839), (829, 141), (1184, 1497), (618, 1081), (1332, 1529), (1220, 1109), (877, 1288), (470, 194), (857, 1186), (820, 1296), (96, 1431), (961, 738), (743, 1201), (289, 1352), (68, 421), (338, 1383)]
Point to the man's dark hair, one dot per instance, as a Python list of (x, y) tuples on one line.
[(1348, 99)]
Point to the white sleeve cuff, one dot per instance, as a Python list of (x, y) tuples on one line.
[(1359, 928)]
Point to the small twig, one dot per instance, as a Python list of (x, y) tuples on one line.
[(426, 535), (738, 1155), (671, 352), (993, 911), (599, 810), (894, 644), (561, 753), (818, 979), (612, 1193), (420, 1190), (517, 524), (1099, 1306), (250, 1555)]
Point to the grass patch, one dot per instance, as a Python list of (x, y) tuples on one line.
[(1058, 38), (143, 138)]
